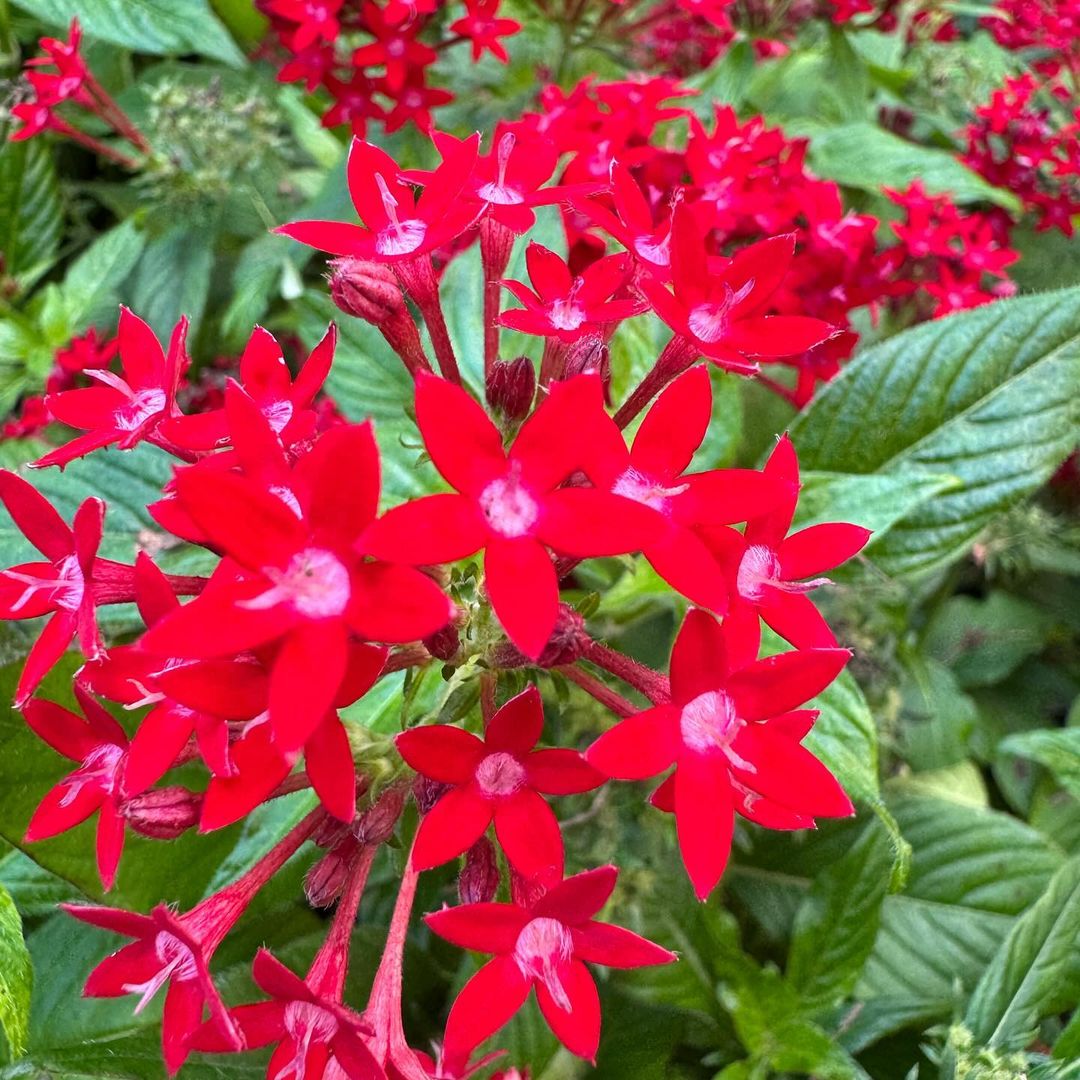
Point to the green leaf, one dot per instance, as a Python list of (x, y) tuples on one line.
[(173, 278), (16, 976), (864, 156), (92, 281), (1036, 972), (159, 27), (31, 210), (987, 396), (725, 81), (1058, 751), (838, 921)]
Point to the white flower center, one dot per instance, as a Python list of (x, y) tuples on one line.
[(315, 583), (176, 960), (97, 770), (759, 567), (67, 588), (397, 237), (643, 489), (509, 507), (709, 722), (658, 252), (143, 405), (306, 1023), (543, 950), (500, 774)]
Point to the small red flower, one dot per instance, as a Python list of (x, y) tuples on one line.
[(124, 410), (483, 27), (99, 744), (395, 48), (543, 945), (500, 778), (317, 20), (509, 503), (565, 306)]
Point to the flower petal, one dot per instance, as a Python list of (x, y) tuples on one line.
[(638, 747), (524, 592), (674, 427), (561, 772), (516, 727), (304, 681), (36, 517), (578, 898), (578, 1028), (441, 752), (616, 947), (587, 523), (781, 683), (705, 818), (396, 604), (329, 765), (812, 551), (433, 529), (689, 567), (529, 835), (489, 928), (451, 827), (486, 1002)]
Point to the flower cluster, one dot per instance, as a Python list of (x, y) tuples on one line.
[(373, 59), (317, 593), (72, 83)]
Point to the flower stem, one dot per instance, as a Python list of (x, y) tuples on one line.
[(417, 277), (652, 684), (678, 355), (603, 693)]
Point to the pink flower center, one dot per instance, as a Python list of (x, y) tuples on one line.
[(657, 252), (315, 584), (397, 237), (98, 770), (543, 951), (566, 313), (643, 489), (306, 1023), (278, 413), (760, 569), (500, 774), (709, 723), (499, 191), (395, 48), (509, 507), (177, 961), (65, 591), (709, 322)]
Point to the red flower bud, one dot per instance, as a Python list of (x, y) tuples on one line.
[(164, 813), (586, 355), (567, 643), (366, 290), (511, 386), (428, 792), (376, 825), (479, 878), (445, 643), (326, 879)]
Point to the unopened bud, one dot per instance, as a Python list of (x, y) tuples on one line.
[(567, 643), (366, 290), (511, 387), (588, 354), (376, 825), (479, 878), (164, 813), (445, 643), (428, 792), (326, 879)]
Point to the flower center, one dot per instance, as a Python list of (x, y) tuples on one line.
[(709, 722), (143, 405), (66, 589), (397, 237), (176, 959), (509, 507), (306, 1023), (98, 770), (566, 313), (657, 252), (278, 413), (709, 322), (643, 489), (760, 569), (543, 950), (499, 775), (499, 191), (315, 583)]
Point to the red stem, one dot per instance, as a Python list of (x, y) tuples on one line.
[(652, 684), (678, 355), (417, 277), (603, 693)]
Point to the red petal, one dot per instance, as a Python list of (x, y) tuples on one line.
[(305, 679), (450, 828), (329, 765), (795, 618), (310, 378), (550, 276), (725, 496), (274, 978), (579, 1028), (51, 644), (705, 818), (699, 660), (365, 665), (561, 772), (764, 265), (180, 1020), (110, 843), (578, 898), (485, 1003), (489, 928), (674, 427), (65, 732), (341, 475), (783, 467), (36, 518), (57, 812), (215, 624), (777, 335), (586, 522), (528, 833), (90, 408), (140, 352), (821, 547), (335, 237), (153, 593), (464, 444), (524, 592), (780, 683), (689, 567), (234, 689), (113, 919), (157, 743), (640, 746), (129, 966), (396, 604), (434, 529), (516, 727), (613, 946), (441, 752), (259, 769)]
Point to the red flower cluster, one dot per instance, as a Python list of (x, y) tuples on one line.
[(1052, 27), (318, 591), (383, 73)]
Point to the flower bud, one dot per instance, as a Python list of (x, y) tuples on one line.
[(479, 878), (376, 825), (587, 354), (444, 643), (326, 879), (365, 290), (511, 386), (164, 813), (428, 792), (567, 643)]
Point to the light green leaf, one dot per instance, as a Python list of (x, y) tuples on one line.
[(173, 278), (31, 210), (1036, 972), (159, 27), (91, 283), (16, 977), (1057, 750), (987, 396)]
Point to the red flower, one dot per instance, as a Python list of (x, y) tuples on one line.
[(317, 19), (543, 945), (509, 503), (396, 225), (568, 307), (499, 778), (767, 568), (292, 578), (66, 57), (652, 474), (482, 26), (125, 410), (413, 103), (354, 103), (87, 351), (716, 308), (732, 739), (99, 744)]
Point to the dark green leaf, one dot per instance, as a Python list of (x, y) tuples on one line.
[(173, 278), (31, 210), (1058, 751)]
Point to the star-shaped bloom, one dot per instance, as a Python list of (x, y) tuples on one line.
[(510, 504), (771, 572), (543, 945), (397, 225), (500, 778), (126, 409), (732, 736), (483, 27)]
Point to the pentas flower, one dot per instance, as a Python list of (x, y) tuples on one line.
[(483, 27), (397, 225), (509, 503), (395, 48), (768, 570), (499, 778), (717, 307), (98, 743), (542, 945), (317, 20), (66, 57), (733, 740), (124, 410), (88, 350), (176, 950), (413, 102), (565, 306), (292, 578), (652, 474)]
